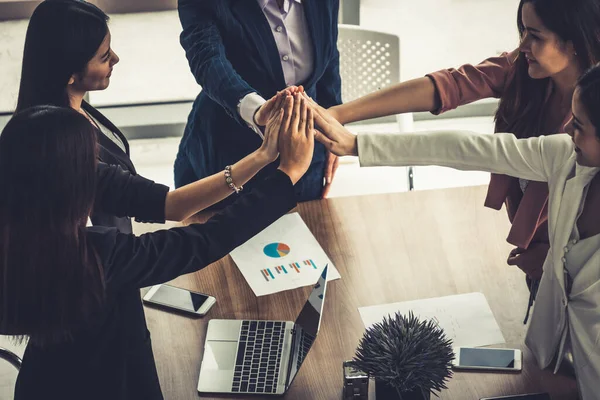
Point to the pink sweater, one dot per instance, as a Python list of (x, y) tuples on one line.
[(528, 211)]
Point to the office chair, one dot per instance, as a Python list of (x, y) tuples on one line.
[(10, 364), (370, 61)]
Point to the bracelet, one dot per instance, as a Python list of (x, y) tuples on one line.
[(229, 180)]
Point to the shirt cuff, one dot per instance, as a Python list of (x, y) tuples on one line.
[(247, 107)]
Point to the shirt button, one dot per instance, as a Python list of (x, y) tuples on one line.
[(279, 28), (564, 260), (566, 249), (574, 241), (285, 58)]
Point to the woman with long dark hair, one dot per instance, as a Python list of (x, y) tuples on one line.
[(67, 54), (566, 317), (66, 287), (559, 40)]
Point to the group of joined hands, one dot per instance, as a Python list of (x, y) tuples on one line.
[(293, 121)]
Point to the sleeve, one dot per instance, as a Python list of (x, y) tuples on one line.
[(206, 56), (535, 158), (124, 195), (157, 257), (469, 83), (329, 86), (248, 107)]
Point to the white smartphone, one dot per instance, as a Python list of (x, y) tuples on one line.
[(487, 359), (180, 299)]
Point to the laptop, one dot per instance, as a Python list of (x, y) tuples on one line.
[(260, 357)]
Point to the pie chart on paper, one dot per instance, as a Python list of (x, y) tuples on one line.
[(276, 250)]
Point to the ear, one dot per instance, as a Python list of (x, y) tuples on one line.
[(71, 80)]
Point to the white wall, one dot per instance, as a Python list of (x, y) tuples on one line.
[(436, 34)]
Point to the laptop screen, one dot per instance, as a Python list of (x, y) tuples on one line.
[(306, 326)]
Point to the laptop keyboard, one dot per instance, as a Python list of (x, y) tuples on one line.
[(306, 342), (258, 357)]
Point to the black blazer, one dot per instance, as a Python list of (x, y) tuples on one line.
[(231, 52), (120, 194), (112, 211), (111, 153), (102, 361)]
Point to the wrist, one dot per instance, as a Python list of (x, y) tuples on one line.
[(291, 173), (261, 157), (256, 121), (337, 113), (353, 147)]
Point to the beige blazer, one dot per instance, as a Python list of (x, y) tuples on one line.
[(545, 158)]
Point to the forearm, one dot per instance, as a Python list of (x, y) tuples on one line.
[(194, 197), (410, 96), (502, 153), (205, 51)]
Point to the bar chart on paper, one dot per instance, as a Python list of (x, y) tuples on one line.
[(284, 256), (282, 270)]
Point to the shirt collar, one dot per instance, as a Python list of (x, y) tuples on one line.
[(263, 3)]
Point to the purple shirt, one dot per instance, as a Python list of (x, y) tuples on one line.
[(294, 44), (292, 37)]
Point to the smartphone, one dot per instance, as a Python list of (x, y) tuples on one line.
[(180, 299), (487, 359), (532, 396)]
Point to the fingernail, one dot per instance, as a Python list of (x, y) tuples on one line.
[(328, 180)]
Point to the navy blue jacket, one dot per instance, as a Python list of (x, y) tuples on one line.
[(232, 52)]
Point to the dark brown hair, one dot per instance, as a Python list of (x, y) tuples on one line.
[(589, 94), (62, 37), (50, 280), (521, 110)]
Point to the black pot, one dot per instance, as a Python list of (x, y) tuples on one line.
[(383, 391)]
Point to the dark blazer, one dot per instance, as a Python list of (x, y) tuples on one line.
[(232, 52), (102, 361), (140, 368), (111, 153), (120, 194)]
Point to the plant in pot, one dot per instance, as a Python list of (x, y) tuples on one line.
[(408, 358)]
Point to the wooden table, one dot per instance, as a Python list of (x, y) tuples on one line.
[(387, 248)]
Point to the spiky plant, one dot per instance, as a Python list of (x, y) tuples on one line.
[(407, 354)]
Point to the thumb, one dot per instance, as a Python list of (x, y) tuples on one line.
[(514, 260)]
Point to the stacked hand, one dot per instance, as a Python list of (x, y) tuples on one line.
[(290, 133), (273, 105), (331, 133), (296, 137), (270, 110)]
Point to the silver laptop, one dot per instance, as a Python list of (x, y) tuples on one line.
[(260, 357)]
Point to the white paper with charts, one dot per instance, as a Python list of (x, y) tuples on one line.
[(465, 318), (284, 256)]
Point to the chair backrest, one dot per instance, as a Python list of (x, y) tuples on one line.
[(10, 364), (369, 61)]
